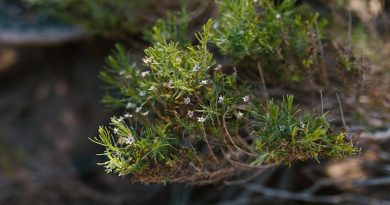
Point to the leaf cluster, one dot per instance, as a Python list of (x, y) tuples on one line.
[(281, 36), (283, 134)]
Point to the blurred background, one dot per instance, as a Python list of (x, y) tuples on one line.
[(51, 53)]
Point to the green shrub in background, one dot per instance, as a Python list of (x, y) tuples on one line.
[(111, 17)]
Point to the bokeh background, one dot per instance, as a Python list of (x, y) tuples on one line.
[(50, 104)]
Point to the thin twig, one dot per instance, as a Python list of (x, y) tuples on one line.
[(349, 40), (196, 155), (322, 103), (341, 112), (361, 76), (243, 165), (208, 144), (265, 92), (231, 139)]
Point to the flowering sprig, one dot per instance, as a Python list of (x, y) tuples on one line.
[(184, 112)]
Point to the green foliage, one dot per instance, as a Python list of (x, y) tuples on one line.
[(132, 151), (173, 28), (179, 103), (284, 136), (346, 61), (280, 36), (248, 28), (189, 119), (174, 88), (100, 16), (238, 30)]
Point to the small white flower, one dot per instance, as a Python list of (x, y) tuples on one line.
[(203, 82), (126, 140), (116, 130), (190, 113), (303, 125), (130, 105), (170, 84), (138, 109), (128, 115), (187, 100), (245, 98), (195, 68), (178, 59), (278, 16), (122, 72), (145, 73), (201, 119), (240, 115), (152, 88), (129, 140), (120, 119), (215, 25), (218, 68), (142, 93), (221, 99), (255, 1), (145, 113), (147, 60)]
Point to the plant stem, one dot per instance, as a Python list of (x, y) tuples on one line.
[(265, 92)]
